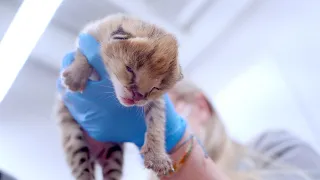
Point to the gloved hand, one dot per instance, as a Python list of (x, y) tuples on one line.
[(99, 113)]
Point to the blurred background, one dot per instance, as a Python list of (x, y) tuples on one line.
[(258, 60)]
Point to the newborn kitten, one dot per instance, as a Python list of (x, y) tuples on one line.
[(142, 61)]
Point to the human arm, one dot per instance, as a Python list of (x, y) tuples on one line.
[(197, 166)]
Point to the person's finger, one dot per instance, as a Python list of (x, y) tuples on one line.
[(67, 60), (90, 47)]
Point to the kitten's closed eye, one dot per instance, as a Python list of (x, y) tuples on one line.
[(133, 78), (129, 69), (155, 88)]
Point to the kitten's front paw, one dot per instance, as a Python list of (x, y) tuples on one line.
[(159, 162), (75, 79)]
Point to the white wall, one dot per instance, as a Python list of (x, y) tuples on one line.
[(30, 147), (264, 73)]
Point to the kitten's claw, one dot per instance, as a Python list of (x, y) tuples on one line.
[(160, 163)]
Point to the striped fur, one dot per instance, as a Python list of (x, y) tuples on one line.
[(154, 147), (78, 154)]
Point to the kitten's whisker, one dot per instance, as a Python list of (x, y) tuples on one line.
[(108, 78), (103, 95), (141, 112), (107, 97), (106, 86), (146, 106), (137, 110)]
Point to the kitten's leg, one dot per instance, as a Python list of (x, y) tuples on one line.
[(75, 146), (76, 75), (111, 160), (155, 156)]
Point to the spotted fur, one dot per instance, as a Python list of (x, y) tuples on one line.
[(142, 61)]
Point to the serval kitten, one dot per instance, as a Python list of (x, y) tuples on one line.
[(142, 61)]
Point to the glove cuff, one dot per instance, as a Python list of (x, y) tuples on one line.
[(174, 138)]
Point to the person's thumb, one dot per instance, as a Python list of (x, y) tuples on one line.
[(90, 48)]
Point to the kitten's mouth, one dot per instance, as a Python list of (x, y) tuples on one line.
[(127, 101)]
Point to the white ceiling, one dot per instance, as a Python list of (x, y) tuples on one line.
[(181, 17)]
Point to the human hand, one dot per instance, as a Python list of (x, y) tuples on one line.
[(99, 113)]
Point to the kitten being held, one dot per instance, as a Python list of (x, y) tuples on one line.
[(142, 62)]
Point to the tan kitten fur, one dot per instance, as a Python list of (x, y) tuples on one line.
[(142, 61)]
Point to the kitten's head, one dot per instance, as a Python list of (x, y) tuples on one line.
[(141, 68)]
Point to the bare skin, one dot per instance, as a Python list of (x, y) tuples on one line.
[(197, 166)]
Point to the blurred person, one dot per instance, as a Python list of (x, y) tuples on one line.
[(275, 155)]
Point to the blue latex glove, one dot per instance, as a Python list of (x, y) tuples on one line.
[(101, 115)]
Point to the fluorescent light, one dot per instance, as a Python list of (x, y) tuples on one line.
[(21, 37)]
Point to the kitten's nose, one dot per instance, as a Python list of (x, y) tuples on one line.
[(136, 95)]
